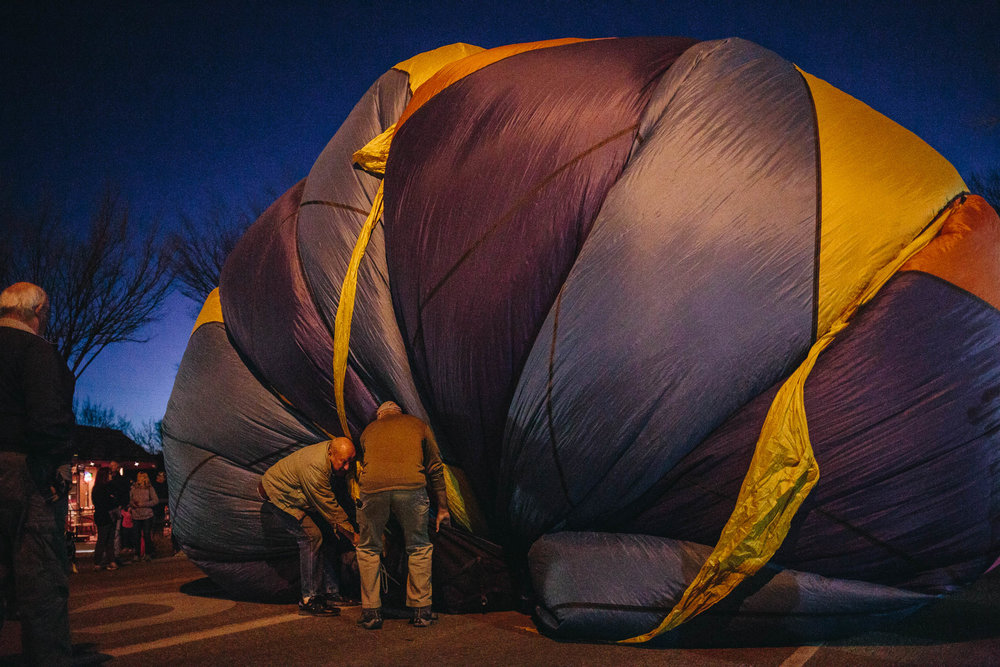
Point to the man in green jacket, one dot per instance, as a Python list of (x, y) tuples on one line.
[(298, 491), (400, 459)]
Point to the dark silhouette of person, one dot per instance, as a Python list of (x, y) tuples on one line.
[(36, 437), (105, 505)]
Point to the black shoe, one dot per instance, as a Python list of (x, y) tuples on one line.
[(422, 617), (316, 607), (87, 654), (339, 601), (371, 619)]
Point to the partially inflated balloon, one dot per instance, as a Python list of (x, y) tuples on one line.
[(697, 333)]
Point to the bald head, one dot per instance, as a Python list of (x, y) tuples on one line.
[(341, 453), (25, 302)]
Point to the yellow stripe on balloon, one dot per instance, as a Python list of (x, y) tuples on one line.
[(345, 310), (880, 185), (211, 310)]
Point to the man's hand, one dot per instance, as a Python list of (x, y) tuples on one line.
[(355, 539), (443, 517)]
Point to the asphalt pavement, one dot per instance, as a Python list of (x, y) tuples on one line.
[(166, 612)]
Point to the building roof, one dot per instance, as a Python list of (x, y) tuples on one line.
[(107, 444)]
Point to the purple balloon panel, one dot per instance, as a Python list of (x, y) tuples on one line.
[(491, 188)]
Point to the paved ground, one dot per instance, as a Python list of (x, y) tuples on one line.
[(166, 612)]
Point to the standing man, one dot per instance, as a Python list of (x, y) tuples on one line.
[(297, 490), (120, 488), (36, 436), (401, 459)]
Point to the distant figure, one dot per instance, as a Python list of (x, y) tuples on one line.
[(400, 459), (36, 432), (107, 510), (160, 511), (120, 490), (297, 490), (142, 500), (129, 540)]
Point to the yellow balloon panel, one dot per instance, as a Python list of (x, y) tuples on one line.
[(880, 186)]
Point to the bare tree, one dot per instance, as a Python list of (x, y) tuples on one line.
[(201, 247), (105, 284), (987, 184), (148, 435), (96, 414)]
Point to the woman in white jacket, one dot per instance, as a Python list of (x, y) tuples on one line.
[(143, 499)]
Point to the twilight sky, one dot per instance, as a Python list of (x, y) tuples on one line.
[(179, 103)]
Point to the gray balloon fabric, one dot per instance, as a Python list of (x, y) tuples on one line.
[(692, 294)]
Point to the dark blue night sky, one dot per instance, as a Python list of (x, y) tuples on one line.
[(177, 103)]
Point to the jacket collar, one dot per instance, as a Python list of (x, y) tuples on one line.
[(16, 324)]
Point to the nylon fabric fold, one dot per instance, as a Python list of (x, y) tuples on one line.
[(372, 157), (782, 473)]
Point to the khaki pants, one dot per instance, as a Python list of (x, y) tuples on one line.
[(411, 508)]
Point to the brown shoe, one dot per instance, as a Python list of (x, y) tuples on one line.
[(422, 617), (371, 619)]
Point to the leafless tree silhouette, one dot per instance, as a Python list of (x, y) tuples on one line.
[(105, 284), (200, 249)]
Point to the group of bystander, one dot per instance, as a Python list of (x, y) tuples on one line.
[(129, 516)]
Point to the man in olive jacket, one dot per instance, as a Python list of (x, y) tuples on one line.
[(36, 437), (400, 459), (297, 490)]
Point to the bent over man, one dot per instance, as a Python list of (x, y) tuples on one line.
[(400, 459), (36, 436), (297, 490)]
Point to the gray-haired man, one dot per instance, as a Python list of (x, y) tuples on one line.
[(36, 435), (400, 459)]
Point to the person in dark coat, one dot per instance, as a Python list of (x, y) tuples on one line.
[(160, 511), (120, 488), (106, 507), (36, 437)]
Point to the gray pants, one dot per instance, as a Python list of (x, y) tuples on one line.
[(411, 508), (33, 557), (318, 557)]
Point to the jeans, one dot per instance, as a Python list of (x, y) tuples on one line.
[(317, 557), (104, 550), (411, 507), (33, 555), (144, 530)]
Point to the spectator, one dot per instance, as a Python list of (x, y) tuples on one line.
[(107, 510), (142, 500), (36, 431), (160, 511), (129, 541), (120, 494)]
